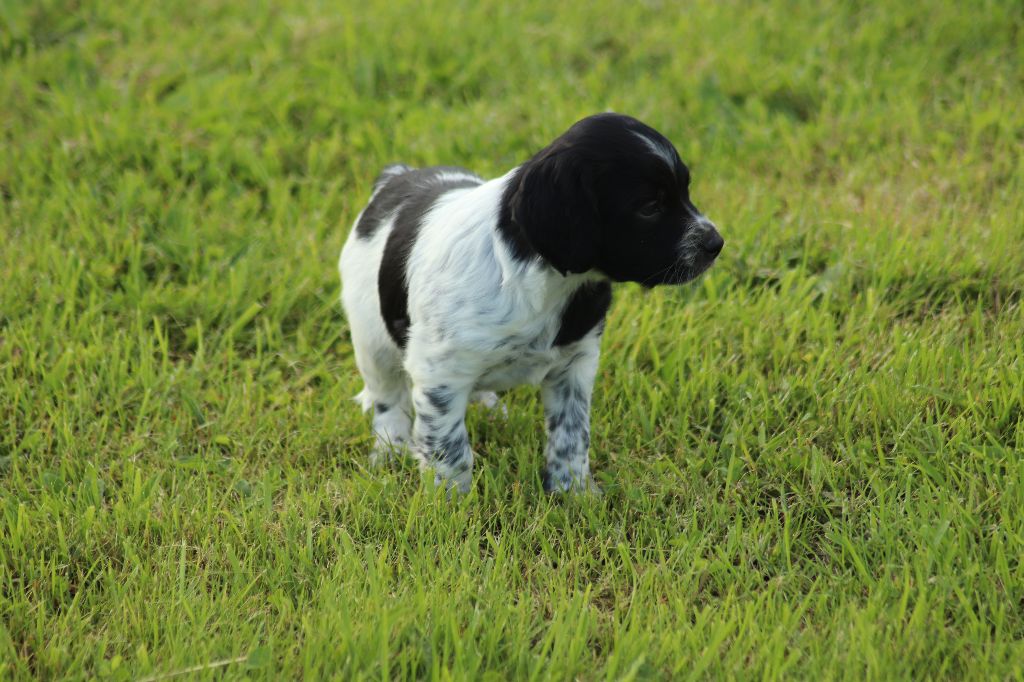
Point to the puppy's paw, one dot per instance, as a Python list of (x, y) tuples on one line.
[(455, 477), (562, 482), (459, 484)]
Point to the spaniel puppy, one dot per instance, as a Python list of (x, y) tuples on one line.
[(456, 287)]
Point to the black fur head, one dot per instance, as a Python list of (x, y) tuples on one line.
[(611, 194)]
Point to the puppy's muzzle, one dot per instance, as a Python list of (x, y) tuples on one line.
[(711, 242)]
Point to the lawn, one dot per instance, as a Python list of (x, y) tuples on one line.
[(812, 457)]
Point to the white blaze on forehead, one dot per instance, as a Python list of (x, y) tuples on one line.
[(699, 217), (665, 152)]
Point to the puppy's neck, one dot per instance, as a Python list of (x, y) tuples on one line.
[(535, 283)]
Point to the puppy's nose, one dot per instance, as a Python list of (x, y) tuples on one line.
[(712, 242)]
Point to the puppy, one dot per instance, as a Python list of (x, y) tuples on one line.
[(455, 286)]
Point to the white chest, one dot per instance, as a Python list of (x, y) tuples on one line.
[(520, 364), (524, 356)]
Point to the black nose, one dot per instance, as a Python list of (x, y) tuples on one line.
[(713, 243)]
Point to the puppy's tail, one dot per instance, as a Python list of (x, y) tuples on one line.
[(364, 399)]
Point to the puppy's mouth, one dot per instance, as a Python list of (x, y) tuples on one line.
[(692, 272), (698, 253), (698, 270), (686, 269)]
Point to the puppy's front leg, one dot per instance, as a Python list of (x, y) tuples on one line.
[(566, 392), (439, 434)]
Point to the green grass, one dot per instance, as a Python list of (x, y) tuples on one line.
[(811, 459)]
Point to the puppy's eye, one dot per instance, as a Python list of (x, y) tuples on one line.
[(651, 209)]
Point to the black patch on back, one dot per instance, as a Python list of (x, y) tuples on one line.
[(418, 191), (393, 187), (586, 309)]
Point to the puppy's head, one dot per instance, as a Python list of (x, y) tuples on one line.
[(611, 194)]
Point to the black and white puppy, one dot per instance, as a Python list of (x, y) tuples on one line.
[(456, 287)]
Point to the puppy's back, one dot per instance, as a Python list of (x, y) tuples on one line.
[(374, 259)]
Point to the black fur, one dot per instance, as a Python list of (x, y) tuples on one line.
[(551, 202), (401, 186), (586, 309), (599, 198), (412, 194), (511, 233)]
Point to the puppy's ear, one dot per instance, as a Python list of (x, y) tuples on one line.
[(555, 207)]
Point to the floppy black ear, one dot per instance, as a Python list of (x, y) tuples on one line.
[(555, 208)]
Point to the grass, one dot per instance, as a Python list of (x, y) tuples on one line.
[(811, 458)]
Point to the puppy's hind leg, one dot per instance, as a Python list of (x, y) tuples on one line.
[(386, 392), (392, 426)]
